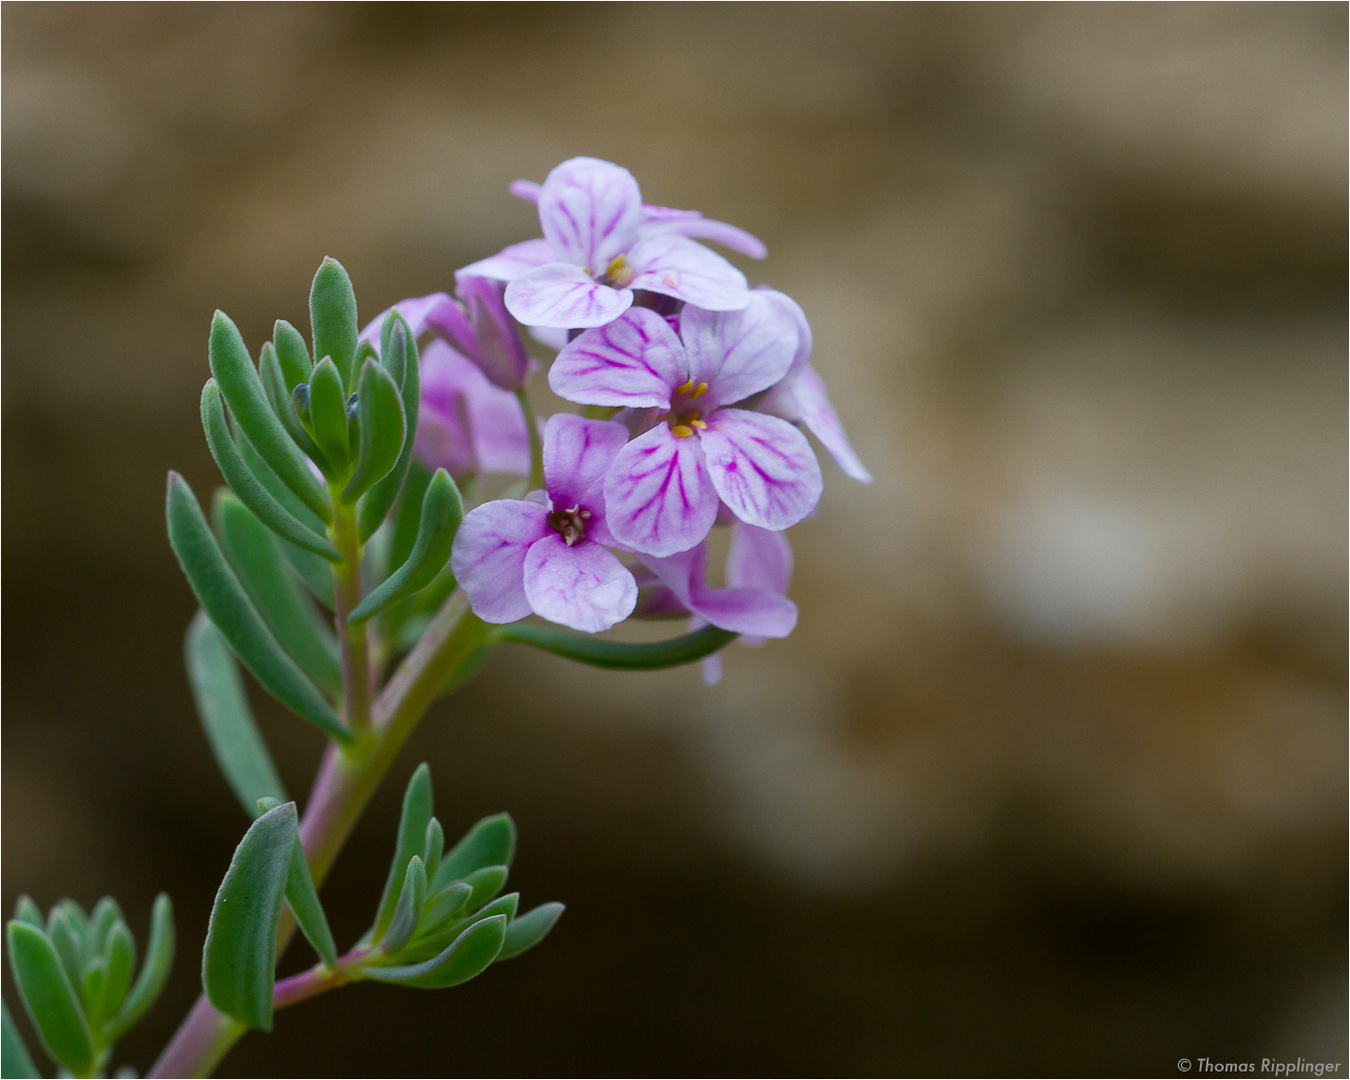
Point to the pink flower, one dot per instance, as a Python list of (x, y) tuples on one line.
[(600, 244), (513, 557), (664, 488)]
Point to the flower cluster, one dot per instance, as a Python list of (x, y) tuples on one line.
[(696, 390)]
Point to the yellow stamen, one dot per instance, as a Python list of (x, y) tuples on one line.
[(685, 388), (682, 431), (701, 388), (700, 424)]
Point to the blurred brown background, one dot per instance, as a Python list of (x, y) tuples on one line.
[(1052, 776)]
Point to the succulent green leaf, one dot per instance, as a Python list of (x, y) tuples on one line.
[(408, 910), (121, 960), (154, 971), (67, 938), (377, 502), (395, 337), (289, 613), (382, 429), (491, 842), (239, 960), (530, 929), (226, 717), (328, 415), (434, 939), (433, 847), (50, 998), (412, 831), (91, 987), (279, 397), (485, 883), (102, 919), (332, 316), (15, 1060), (292, 354), (238, 380), (408, 518), (223, 597), (442, 511), (315, 572), (469, 955), (445, 905), (619, 655), (303, 898), (248, 487), (27, 911)]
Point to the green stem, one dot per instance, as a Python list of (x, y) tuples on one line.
[(536, 442), (352, 639), (346, 780)]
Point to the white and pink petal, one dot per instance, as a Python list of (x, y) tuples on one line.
[(488, 557), (511, 262), (659, 498), (762, 468), (674, 265), (738, 353), (562, 295), (577, 454), (635, 362), (582, 586), (589, 211)]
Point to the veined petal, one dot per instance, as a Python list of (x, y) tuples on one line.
[(582, 586), (757, 612), (577, 454), (738, 353), (762, 467), (677, 266), (589, 210), (791, 310), (563, 296), (659, 498), (488, 557), (511, 262), (802, 397), (636, 361), (759, 559)]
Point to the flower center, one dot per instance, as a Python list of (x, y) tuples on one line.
[(683, 419), (570, 524), (617, 274)]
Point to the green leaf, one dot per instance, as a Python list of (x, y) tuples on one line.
[(328, 415), (249, 488), (91, 987), (412, 831), (382, 430), (442, 511), (620, 655), (279, 397), (50, 998), (67, 939), (433, 847), (408, 910), (445, 905), (470, 954), (239, 382), (376, 503), (409, 517), (102, 919), (15, 1059), (434, 940), (154, 971), (491, 842), (292, 354), (223, 708), (395, 337), (486, 883), (530, 929), (332, 317), (219, 592), (304, 900), (239, 961), (27, 911), (121, 954), (289, 613)]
